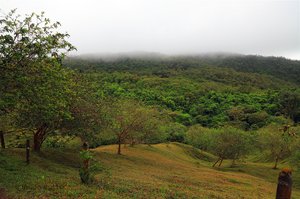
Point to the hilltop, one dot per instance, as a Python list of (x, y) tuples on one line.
[(142, 62)]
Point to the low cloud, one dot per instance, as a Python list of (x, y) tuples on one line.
[(263, 27)]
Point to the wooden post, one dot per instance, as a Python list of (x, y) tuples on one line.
[(86, 162), (284, 187), (85, 146), (27, 151), (2, 140), (84, 172)]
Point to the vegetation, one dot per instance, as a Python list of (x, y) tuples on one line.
[(159, 171), (226, 109)]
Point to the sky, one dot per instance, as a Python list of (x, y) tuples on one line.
[(263, 27)]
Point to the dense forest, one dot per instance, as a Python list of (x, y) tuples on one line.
[(213, 90)]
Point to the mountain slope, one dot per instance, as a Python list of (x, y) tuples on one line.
[(159, 171), (279, 67)]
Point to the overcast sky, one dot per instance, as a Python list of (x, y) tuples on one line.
[(265, 27)]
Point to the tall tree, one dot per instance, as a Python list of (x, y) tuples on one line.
[(32, 79)]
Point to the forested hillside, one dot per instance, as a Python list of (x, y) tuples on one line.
[(279, 67), (245, 91)]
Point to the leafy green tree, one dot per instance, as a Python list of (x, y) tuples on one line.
[(131, 120), (199, 137), (290, 104), (32, 80), (276, 142), (45, 103), (87, 111), (175, 132), (155, 129), (230, 143)]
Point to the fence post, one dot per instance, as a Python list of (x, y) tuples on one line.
[(84, 170), (284, 186), (2, 140), (27, 151), (86, 162)]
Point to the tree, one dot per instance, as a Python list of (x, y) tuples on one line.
[(45, 103), (230, 143), (175, 132), (32, 80), (154, 128), (6, 126), (199, 137), (129, 119), (290, 104), (86, 109), (277, 142)]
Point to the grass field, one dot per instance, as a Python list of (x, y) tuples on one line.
[(158, 171)]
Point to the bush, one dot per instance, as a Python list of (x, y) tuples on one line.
[(175, 132), (199, 137)]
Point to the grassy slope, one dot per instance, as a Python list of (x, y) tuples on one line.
[(158, 171)]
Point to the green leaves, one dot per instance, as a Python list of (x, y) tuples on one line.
[(33, 83)]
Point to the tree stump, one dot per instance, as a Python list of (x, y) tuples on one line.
[(284, 187)]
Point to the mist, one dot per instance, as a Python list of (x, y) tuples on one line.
[(265, 27)]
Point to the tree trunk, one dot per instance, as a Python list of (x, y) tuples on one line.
[(39, 138), (276, 162), (216, 162), (119, 147), (221, 162), (2, 140)]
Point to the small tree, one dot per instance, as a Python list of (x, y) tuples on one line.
[(175, 132), (130, 119), (199, 137), (154, 132), (276, 142), (230, 143)]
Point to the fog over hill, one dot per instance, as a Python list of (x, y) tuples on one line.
[(280, 67), (156, 55)]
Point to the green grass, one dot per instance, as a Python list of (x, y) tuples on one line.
[(158, 171)]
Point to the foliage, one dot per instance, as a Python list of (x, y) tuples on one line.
[(276, 142), (33, 83), (290, 104), (88, 170), (230, 143), (57, 141), (130, 121), (199, 137), (175, 132)]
